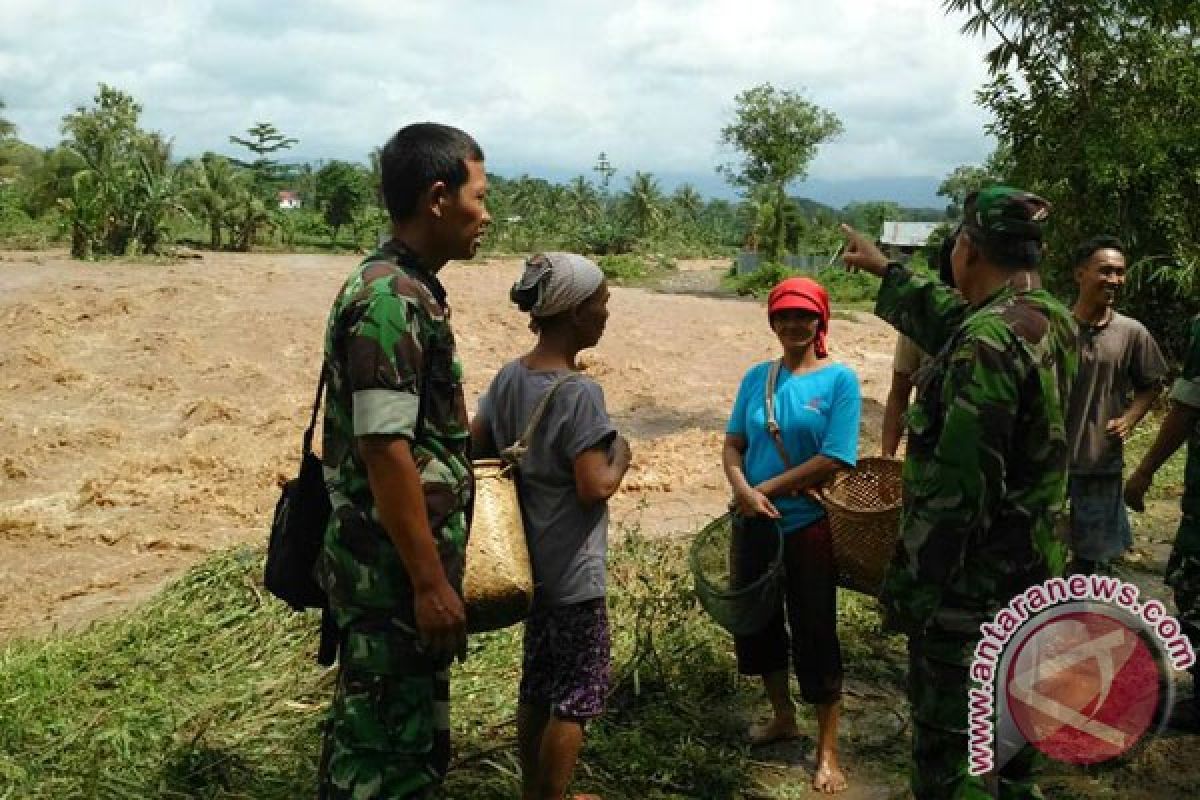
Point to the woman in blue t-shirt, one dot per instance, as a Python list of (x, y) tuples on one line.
[(817, 405)]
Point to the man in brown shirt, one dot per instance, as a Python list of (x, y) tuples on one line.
[(1121, 370), (909, 357)]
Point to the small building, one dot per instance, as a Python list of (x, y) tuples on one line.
[(289, 199), (901, 239)]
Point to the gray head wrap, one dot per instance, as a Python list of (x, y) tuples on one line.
[(563, 281)]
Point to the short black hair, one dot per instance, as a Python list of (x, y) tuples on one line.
[(1088, 247), (1008, 252), (419, 155)]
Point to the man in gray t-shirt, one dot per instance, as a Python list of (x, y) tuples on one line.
[(567, 539), (573, 463), (1121, 371)]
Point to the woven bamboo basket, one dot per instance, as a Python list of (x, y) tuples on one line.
[(863, 505), (498, 581), (741, 604)]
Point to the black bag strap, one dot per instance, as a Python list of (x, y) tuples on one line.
[(772, 423), (423, 397), (312, 420), (516, 451), (422, 402)]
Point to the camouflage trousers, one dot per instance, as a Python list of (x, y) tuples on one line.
[(1183, 576), (938, 682), (388, 732)]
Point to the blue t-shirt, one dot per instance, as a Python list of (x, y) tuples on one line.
[(818, 414)]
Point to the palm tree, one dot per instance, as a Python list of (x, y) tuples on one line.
[(688, 202), (643, 202), (6, 128), (582, 199), (375, 157)]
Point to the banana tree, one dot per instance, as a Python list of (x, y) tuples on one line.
[(248, 215), (214, 190)]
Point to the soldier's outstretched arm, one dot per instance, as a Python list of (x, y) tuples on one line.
[(919, 306)]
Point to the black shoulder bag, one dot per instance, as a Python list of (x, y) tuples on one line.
[(302, 514), (298, 527)]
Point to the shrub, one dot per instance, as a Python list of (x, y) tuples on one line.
[(631, 269), (843, 286)]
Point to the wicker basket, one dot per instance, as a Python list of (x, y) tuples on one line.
[(498, 581), (863, 505), (739, 604)]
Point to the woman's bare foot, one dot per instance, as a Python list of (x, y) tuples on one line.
[(776, 730), (828, 776)]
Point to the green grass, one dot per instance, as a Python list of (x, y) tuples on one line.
[(210, 691), (634, 269)]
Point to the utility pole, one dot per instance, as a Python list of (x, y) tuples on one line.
[(605, 169)]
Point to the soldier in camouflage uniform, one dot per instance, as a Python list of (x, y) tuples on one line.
[(985, 476), (399, 476), (1181, 424)]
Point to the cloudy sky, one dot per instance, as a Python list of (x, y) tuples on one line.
[(545, 85)]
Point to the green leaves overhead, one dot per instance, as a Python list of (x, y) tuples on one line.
[(1096, 106)]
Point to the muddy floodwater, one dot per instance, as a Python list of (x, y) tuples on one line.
[(147, 411)]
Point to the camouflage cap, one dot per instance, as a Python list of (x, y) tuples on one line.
[(1002, 212)]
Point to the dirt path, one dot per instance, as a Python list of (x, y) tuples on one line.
[(147, 411)]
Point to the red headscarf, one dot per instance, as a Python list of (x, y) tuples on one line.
[(807, 295)]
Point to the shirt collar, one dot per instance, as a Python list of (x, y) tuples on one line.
[(402, 254)]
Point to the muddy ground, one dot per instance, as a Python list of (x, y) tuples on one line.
[(147, 411)]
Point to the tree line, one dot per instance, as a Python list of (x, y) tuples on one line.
[(112, 188), (1094, 104)]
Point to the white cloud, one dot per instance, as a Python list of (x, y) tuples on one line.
[(542, 84)]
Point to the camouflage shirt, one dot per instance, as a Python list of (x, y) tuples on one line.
[(985, 478), (1187, 391), (389, 350)]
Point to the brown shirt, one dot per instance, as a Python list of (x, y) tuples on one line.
[(1116, 359), (908, 357)]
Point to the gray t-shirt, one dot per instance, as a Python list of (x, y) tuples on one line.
[(1116, 360), (567, 540)]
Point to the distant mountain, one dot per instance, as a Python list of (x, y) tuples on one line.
[(912, 192), (852, 212)]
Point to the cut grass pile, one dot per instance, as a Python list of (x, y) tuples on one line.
[(210, 691)]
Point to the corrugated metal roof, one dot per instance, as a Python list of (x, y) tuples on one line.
[(906, 234)]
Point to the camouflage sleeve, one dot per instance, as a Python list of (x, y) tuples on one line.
[(921, 307), (384, 356), (1187, 387), (957, 491)]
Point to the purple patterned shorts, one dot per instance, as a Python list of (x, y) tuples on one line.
[(566, 664)]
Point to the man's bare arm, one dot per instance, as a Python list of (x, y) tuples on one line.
[(1176, 427)]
